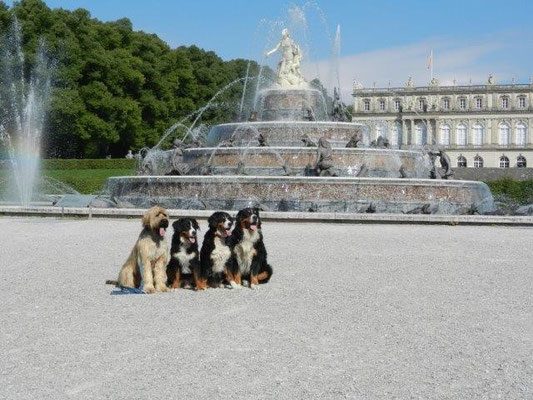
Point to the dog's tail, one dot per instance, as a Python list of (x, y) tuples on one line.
[(110, 282), (265, 274)]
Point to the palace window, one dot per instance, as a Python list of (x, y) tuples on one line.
[(477, 133), (366, 105), (421, 104), (521, 162), (446, 104), (394, 135), (479, 102), (382, 105), (504, 135), (419, 134), (504, 162), (461, 135), (397, 104), (461, 162), (462, 103), (521, 102), (521, 133), (478, 162), (445, 135), (505, 103)]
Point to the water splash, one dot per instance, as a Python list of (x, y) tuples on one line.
[(22, 112)]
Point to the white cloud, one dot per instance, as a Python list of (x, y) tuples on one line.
[(453, 59)]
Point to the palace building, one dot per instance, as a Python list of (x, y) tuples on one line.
[(479, 125)]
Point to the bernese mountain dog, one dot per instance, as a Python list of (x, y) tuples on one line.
[(183, 268), (215, 256), (249, 252)]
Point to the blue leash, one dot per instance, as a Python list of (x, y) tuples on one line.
[(121, 290)]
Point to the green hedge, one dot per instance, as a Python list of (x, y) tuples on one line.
[(64, 164), (520, 191), (86, 181)]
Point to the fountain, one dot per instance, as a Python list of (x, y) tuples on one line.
[(291, 155), (22, 113)]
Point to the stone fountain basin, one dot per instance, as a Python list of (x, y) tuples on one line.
[(270, 160), (293, 193), (285, 133)]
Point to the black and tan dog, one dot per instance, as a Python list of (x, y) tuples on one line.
[(215, 256), (249, 252), (149, 256), (184, 265)]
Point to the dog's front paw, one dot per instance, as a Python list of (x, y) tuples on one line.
[(149, 288), (161, 288), (254, 287), (174, 289), (235, 285)]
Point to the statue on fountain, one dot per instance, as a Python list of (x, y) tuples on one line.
[(324, 162), (339, 112), (289, 73)]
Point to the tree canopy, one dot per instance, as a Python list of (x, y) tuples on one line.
[(117, 89)]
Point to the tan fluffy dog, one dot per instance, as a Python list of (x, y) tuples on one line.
[(150, 254)]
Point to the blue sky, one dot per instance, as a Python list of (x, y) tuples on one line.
[(381, 41)]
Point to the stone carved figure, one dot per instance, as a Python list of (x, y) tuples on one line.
[(491, 79), (410, 82), (354, 141), (253, 116), (289, 73), (445, 163), (324, 161), (178, 164), (262, 140), (307, 141), (339, 111), (130, 155)]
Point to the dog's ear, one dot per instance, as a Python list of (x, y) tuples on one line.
[(195, 224), (146, 218), (256, 210), (239, 217), (176, 224), (212, 222)]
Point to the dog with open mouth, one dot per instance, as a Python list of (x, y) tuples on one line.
[(249, 252), (184, 266), (145, 266), (215, 256)]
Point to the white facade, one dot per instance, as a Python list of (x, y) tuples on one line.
[(486, 125)]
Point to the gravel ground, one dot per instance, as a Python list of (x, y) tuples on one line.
[(352, 312)]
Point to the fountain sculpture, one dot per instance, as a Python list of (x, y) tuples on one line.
[(292, 156)]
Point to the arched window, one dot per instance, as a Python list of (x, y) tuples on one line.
[(477, 132), (419, 134), (445, 135), (461, 135), (521, 134), (504, 162), (394, 134), (379, 131), (521, 162), (478, 162), (504, 135), (461, 162)]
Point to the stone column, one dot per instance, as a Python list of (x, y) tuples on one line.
[(529, 137), (429, 133), (404, 133), (412, 133)]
